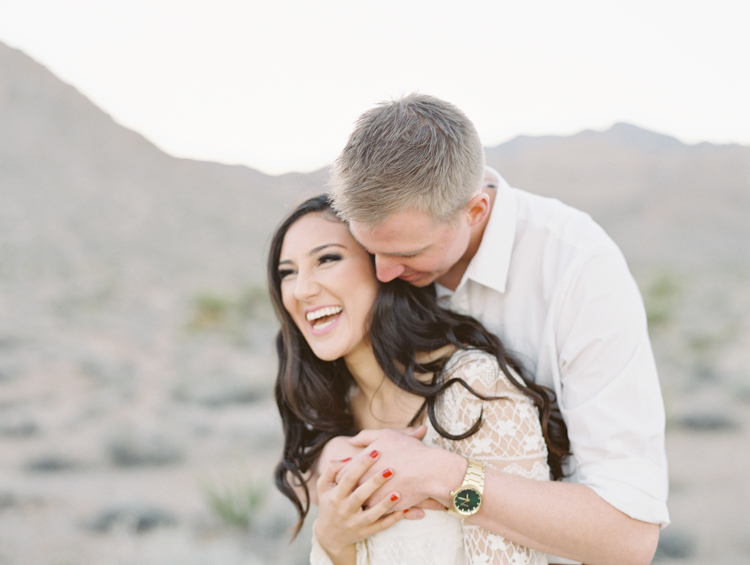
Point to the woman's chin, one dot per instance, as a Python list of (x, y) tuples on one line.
[(326, 356), (327, 352)]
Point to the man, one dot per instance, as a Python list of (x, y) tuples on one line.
[(555, 288)]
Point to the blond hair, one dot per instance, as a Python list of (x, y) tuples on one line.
[(417, 152)]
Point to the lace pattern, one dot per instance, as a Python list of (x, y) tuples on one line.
[(510, 440)]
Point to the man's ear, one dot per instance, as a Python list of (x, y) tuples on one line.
[(478, 208)]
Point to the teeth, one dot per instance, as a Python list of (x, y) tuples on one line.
[(323, 325), (327, 311)]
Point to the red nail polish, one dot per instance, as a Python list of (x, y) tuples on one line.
[(387, 473), (394, 497), (346, 460), (405, 511), (374, 453)]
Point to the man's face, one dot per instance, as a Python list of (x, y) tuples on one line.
[(412, 246)]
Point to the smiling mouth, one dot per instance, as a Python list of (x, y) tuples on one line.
[(323, 317)]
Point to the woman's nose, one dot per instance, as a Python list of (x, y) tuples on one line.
[(305, 287)]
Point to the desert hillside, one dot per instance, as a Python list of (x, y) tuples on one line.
[(136, 418), (664, 202)]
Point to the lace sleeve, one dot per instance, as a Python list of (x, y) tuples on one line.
[(510, 440), (318, 555)]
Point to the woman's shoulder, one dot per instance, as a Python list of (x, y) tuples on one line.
[(481, 369), (470, 355)]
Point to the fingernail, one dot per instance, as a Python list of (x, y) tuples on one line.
[(387, 473), (374, 453), (346, 460), (405, 511), (394, 497)]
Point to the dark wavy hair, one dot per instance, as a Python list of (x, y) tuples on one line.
[(312, 395)]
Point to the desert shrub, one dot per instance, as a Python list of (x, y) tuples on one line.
[(210, 310), (128, 447), (236, 502), (660, 298)]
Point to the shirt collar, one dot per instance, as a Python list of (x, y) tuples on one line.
[(490, 264)]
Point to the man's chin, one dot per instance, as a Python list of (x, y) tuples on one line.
[(419, 280)]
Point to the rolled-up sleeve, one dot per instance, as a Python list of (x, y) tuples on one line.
[(608, 387)]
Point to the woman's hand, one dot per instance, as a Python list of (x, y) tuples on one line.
[(337, 449), (342, 521)]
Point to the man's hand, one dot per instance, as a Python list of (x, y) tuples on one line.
[(342, 447), (415, 466)]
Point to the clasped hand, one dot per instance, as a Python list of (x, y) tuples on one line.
[(343, 519)]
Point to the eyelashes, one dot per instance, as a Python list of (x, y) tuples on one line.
[(323, 259), (329, 258)]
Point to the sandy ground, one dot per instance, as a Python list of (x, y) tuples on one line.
[(63, 502), (115, 429), (709, 499)]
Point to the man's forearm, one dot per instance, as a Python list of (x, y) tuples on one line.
[(565, 519)]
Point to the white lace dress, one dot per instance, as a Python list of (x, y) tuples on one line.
[(509, 440)]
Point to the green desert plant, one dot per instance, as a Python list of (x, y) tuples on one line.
[(210, 310), (236, 502), (660, 298)]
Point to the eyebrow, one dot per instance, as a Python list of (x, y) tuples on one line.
[(313, 251), (402, 254)]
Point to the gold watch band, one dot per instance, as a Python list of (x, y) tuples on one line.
[(474, 476)]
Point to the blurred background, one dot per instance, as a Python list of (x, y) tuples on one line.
[(147, 150)]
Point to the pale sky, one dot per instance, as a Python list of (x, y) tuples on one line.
[(277, 85)]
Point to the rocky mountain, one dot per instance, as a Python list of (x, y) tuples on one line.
[(82, 194), (661, 200)]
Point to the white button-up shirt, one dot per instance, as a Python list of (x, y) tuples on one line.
[(556, 289)]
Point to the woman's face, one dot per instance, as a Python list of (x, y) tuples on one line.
[(328, 285)]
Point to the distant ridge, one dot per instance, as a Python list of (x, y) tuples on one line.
[(644, 138), (663, 201), (83, 195)]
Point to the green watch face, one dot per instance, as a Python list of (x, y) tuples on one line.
[(467, 500)]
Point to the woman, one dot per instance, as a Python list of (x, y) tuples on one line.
[(356, 354)]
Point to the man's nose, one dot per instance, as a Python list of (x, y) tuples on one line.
[(387, 268)]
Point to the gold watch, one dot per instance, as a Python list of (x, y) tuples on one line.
[(467, 499)]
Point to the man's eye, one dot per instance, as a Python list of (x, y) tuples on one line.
[(329, 258)]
